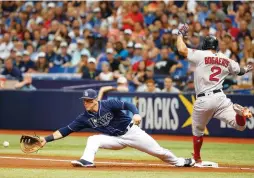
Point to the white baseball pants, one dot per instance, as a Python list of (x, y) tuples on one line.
[(135, 138), (213, 106)]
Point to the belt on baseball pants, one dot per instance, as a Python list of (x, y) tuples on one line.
[(126, 130), (214, 91)]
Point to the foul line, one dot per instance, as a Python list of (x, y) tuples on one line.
[(116, 163)]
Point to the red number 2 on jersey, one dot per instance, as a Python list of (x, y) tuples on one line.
[(216, 71)]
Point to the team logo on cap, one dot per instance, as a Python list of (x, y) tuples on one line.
[(86, 94)]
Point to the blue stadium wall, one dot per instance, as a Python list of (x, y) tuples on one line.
[(162, 113)]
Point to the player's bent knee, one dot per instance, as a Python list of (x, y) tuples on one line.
[(93, 140)]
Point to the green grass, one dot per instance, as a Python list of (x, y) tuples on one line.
[(234, 154), (42, 173), (227, 153)]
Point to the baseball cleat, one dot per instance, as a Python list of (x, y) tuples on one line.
[(197, 159), (82, 163), (242, 111), (189, 162), (185, 162)]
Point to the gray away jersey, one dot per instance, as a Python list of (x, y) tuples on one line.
[(211, 69)]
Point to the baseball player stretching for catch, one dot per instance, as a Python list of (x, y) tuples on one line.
[(118, 131), (211, 70)]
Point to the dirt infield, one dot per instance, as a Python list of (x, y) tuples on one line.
[(45, 162), (157, 137), (50, 162)]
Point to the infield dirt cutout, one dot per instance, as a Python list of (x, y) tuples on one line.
[(36, 161)]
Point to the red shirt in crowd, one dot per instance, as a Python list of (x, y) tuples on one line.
[(234, 32), (148, 63), (136, 17)]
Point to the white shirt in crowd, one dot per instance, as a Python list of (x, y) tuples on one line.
[(172, 90), (106, 77)]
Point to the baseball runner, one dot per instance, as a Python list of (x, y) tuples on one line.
[(118, 131), (211, 69)]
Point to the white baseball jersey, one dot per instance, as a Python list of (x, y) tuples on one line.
[(211, 69)]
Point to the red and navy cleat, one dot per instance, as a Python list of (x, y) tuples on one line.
[(242, 111), (82, 163)]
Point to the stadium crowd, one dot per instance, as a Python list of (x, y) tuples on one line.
[(132, 40)]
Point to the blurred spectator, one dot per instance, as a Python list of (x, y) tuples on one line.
[(121, 56), (106, 74), (51, 55), (97, 43), (138, 31), (132, 17), (220, 32), (82, 66), (217, 12), (130, 48), (121, 52), (28, 64), (242, 33), (18, 61), (109, 57), (105, 8), (122, 86), (10, 71), (114, 17), (166, 38), (155, 35), (5, 46), (209, 24), (127, 35), (63, 59), (25, 84), (141, 77), (203, 14), (223, 49), (248, 50), (137, 54), (89, 28), (32, 53), (195, 41), (77, 53), (114, 64), (230, 29), (189, 87), (168, 86), (150, 86), (166, 66), (249, 20), (228, 40), (42, 65), (91, 72)]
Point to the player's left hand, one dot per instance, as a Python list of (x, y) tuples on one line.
[(248, 68), (183, 29), (136, 119), (43, 141)]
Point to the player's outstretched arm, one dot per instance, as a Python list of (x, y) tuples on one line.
[(104, 90), (181, 46), (131, 107), (244, 70), (63, 132)]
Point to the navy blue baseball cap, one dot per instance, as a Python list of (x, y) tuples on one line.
[(89, 94)]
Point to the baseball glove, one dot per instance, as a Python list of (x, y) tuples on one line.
[(30, 144)]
